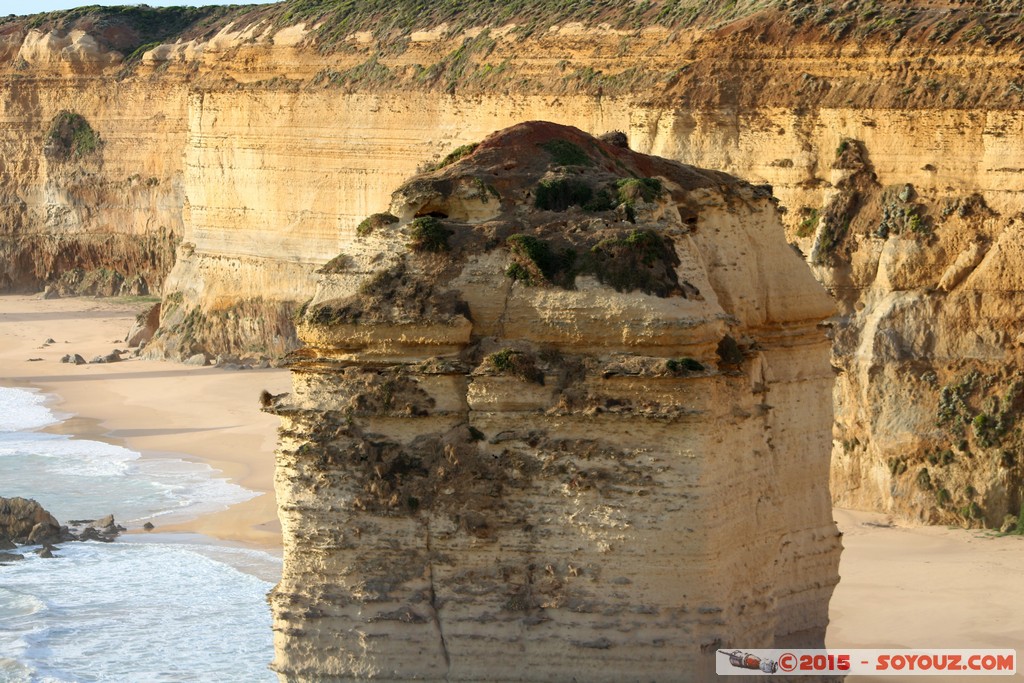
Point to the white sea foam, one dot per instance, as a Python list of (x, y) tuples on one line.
[(81, 479), (138, 612), (139, 609), (22, 409)]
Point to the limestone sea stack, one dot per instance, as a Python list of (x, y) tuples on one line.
[(563, 413)]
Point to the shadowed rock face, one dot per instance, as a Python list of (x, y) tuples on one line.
[(564, 413), (25, 521)]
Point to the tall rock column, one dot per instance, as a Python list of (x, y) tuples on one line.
[(563, 414)]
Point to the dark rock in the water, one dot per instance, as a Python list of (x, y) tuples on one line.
[(46, 552), (89, 534), (45, 532), (7, 545), (21, 518), (148, 526), (10, 557)]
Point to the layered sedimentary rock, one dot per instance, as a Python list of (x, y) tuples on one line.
[(931, 391), (259, 138), (562, 414)]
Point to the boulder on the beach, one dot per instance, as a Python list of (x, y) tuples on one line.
[(22, 519), (72, 358), (198, 359), (145, 327), (148, 526), (112, 357)]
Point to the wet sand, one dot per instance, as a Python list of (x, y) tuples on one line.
[(150, 406)]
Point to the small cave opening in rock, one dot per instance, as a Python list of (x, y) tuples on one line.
[(433, 214)]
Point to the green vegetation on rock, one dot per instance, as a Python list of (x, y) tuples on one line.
[(375, 222), (642, 259), (561, 193), (429, 234), (535, 262), (457, 154), (71, 136), (565, 153), (516, 364)]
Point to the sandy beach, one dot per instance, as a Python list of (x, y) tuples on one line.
[(153, 407), (902, 586)]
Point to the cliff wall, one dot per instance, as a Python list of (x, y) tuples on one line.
[(563, 414), (260, 140)]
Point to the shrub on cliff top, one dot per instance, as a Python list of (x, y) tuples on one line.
[(535, 262), (457, 154), (632, 189), (642, 260), (375, 222), (70, 135), (565, 153), (429, 234), (561, 193)]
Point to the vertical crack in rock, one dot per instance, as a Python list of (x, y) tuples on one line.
[(435, 607), (554, 367)]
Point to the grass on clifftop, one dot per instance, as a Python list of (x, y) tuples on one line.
[(338, 18), (991, 23), (146, 26)]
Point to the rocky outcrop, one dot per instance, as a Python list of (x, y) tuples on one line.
[(930, 389), (562, 413), (244, 147), (25, 521)]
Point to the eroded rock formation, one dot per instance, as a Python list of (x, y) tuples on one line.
[(562, 414), (929, 398), (257, 139)]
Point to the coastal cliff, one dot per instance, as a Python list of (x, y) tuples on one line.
[(237, 153), (562, 413)]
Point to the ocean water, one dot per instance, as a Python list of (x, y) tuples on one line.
[(152, 607)]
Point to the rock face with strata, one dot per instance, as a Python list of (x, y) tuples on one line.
[(236, 152), (562, 414)]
